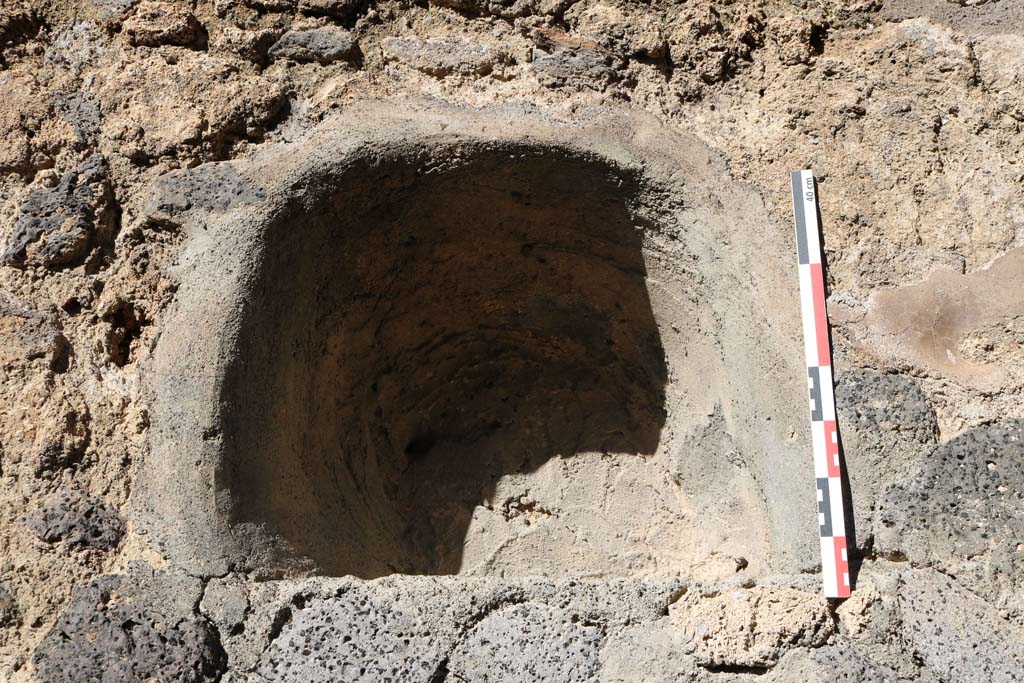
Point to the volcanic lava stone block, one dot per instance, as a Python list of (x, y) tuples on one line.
[(132, 628), (442, 57), (528, 642), (339, 9), (887, 427), (963, 512), (424, 629), (835, 663), (367, 633), (322, 45), (210, 188), (8, 606), (58, 225), (76, 519), (561, 61), (27, 334), (507, 9), (956, 634)]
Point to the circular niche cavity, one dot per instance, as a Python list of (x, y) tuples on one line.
[(535, 352)]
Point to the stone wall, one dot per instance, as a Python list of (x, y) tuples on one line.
[(459, 340)]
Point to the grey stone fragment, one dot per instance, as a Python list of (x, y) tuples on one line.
[(415, 628), (209, 188), (323, 45), (508, 9), (78, 46), (962, 512), (956, 634), (250, 45), (560, 60), (648, 651), (887, 428), (162, 23), (27, 334), (365, 634), (113, 11), (57, 226), (76, 519), (233, 676), (225, 603), (9, 615), (248, 615), (580, 67), (339, 9), (526, 643), (81, 112), (835, 663), (442, 57), (134, 628)]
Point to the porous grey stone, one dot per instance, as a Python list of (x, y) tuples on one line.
[(886, 427), (442, 57), (528, 643), (27, 334), (839, 662), (207, 189), (9, 615), (956, 634), (648, 651), (508, 9), (339, 9), (79, 46), (367, 633), (248, 614), (162, 23), (962, 512), (80, 111), (132, 628), (323, 45), (57, 226), (113, 11), (413, 629), (76, 519), (225, 603), (561, 61)]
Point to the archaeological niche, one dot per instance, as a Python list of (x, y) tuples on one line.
[(427, 340)]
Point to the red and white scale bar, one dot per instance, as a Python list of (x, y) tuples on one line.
[(828, 477)]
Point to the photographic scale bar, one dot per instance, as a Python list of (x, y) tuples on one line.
[(835, 566)]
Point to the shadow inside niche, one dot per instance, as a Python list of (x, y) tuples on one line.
[(425, 335)]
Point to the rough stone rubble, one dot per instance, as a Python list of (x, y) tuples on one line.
[(127, 128)]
